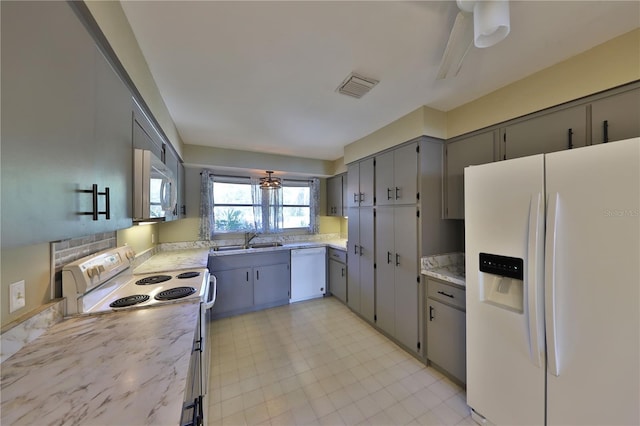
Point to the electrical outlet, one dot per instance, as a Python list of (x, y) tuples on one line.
[(16, 296), (153, 238)]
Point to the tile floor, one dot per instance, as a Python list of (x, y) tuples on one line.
[(316, 363)]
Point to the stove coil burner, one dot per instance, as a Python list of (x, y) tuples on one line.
[(175, 293), (129, 301), (155, 279), (188, 275)]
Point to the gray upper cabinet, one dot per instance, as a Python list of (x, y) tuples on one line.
[(182, 188), (335, 196), (66, 126), (397, 176), (616, 117), (360, 181), (554, 131), (461, 153), (145, 135)]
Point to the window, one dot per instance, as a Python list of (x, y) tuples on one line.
[(233, 209), (240, 205)]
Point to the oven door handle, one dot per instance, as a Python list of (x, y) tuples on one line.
[(213, 291)]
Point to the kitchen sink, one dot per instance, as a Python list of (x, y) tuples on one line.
[(265, 245), (251, 246)]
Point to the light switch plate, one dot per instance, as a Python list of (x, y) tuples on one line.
[(16, 296)]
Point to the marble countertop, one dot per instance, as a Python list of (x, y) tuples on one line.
[(447, 267), (339, 244), (175, 260), (127, 367)]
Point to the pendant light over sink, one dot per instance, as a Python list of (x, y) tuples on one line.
[(270, 182)]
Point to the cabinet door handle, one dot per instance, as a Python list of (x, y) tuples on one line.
[(355, 197), (388, 257), (397, 190), (247, 276), (431, 316), (361, 197), (94, 202), (397, 259), (388, 193), (343, 272), (605, 131), (355, 249), (570, 136), (257, 274), (361, 250), (445, 294)]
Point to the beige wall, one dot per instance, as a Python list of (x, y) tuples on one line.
[(140, 237), (422, 121), (115, 26), (31, 264), (605, 66), (254, 162)]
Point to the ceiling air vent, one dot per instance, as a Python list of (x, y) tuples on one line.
[(356, 85)]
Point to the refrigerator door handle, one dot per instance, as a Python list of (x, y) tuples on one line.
[(550, 285), (534, 257)]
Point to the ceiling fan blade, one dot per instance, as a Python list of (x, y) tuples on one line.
[(458, 45)]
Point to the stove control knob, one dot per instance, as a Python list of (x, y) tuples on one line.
[(100, 269), (92, 272)]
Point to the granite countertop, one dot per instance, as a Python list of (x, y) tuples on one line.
[(126, 367), (175, 260), (447, 267)]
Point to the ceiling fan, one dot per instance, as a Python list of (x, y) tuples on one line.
[(482, 23)]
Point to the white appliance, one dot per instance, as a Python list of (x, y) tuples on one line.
[(553, 287), (308, 273), (154, 188), (104, 282)]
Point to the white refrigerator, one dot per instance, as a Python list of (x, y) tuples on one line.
[(553, 287)]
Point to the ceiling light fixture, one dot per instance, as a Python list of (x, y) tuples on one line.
[(491, 22), (270, 182)]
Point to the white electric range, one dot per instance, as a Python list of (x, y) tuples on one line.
[(105, 282)]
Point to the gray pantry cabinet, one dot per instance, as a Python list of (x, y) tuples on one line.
[(360, 262), (338, 273), (397, 176), (616, 117), (66, 126), (446, 327), (336, 195), (250, 281), (397, 276), (460, 153), (360, 183)]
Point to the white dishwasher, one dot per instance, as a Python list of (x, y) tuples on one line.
[(308, 273)]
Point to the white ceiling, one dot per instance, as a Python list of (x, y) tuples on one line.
[(261, 76)]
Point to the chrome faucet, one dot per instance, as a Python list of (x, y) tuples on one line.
[(248, 236)]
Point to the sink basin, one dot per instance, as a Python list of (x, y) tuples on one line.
[(251, 246), (265, 245), (227, 248)]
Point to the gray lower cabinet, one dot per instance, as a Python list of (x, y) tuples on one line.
[(338, 274), (397, 274), (66, 125), (250, 281), (616, 117), (360, 262), (446, 328)]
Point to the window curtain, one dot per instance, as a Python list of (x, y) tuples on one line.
[(258, 211), (272, 200), (207, 219), (314, 204)]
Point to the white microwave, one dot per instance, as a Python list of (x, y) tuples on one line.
[(154, 188)]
